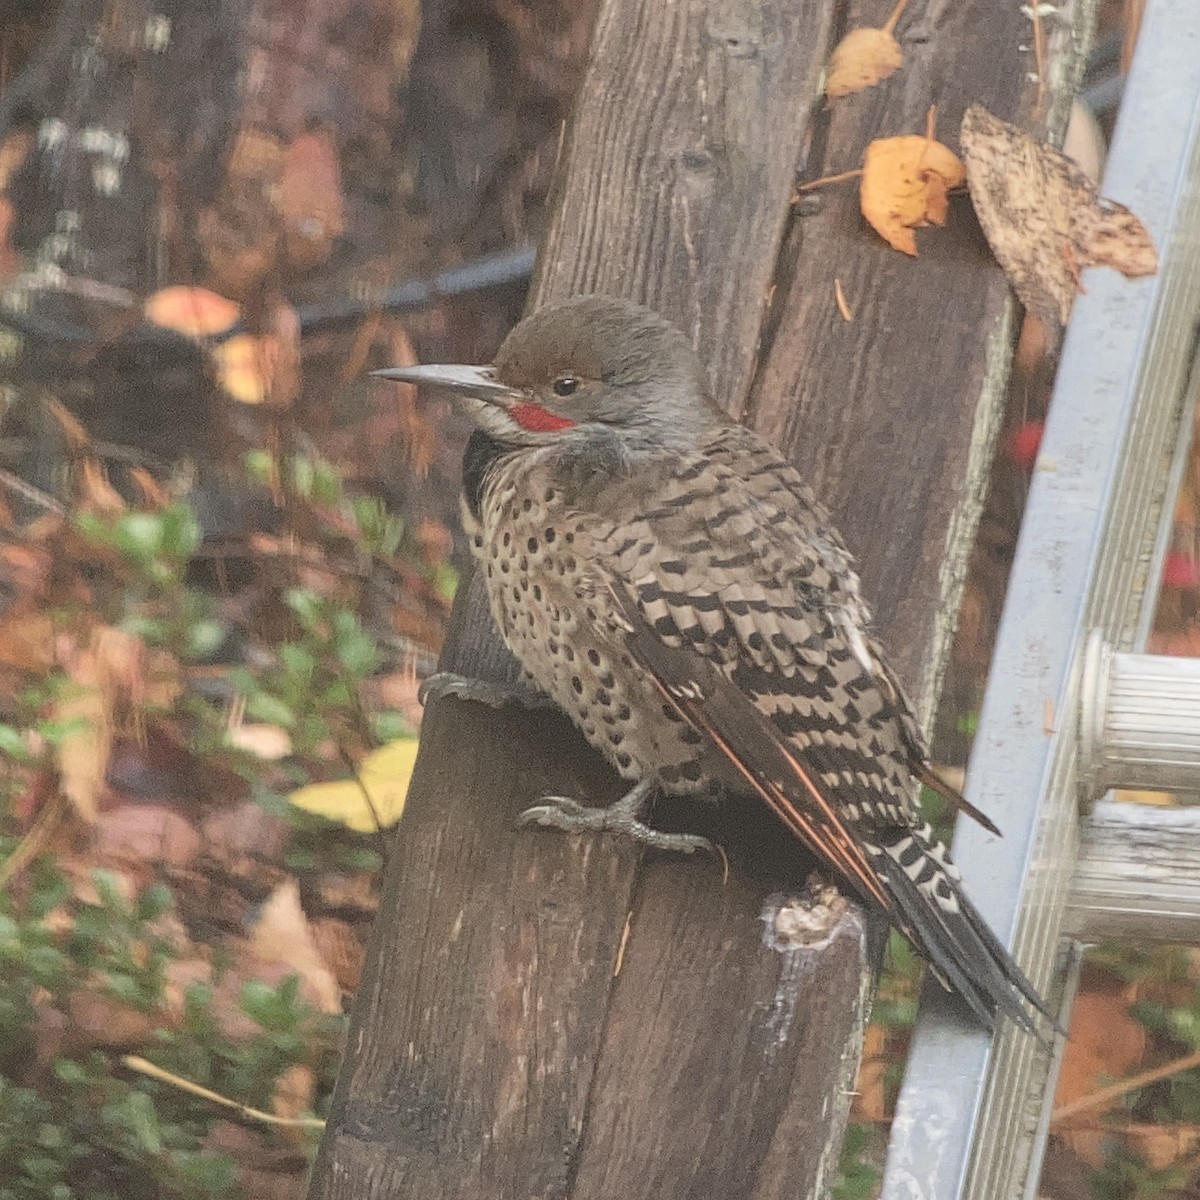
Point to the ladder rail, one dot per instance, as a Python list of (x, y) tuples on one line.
[(971, 1118)]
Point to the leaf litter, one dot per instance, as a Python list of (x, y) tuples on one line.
[(1044, 218)]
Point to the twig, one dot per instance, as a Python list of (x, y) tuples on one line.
[(624, 942), (813, 184), (145, 1067), (890, 24), (27, 491), (33, 841), (843, 305), (1115, 1091)]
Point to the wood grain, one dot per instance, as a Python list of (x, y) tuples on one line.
[(892, 417), (1137, 874), (488, 1005)]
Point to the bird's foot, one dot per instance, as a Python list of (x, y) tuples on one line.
[(624, 818), (494, 695)]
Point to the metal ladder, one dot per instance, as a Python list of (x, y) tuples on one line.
[(1072, 706)]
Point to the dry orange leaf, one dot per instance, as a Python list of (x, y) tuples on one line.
[(27, 638), (94, 491), (244, 365), (251, 369), (14, 150), (86, 710), (114, 672), (904, 185), (310, 199), (192, 311), (1106, 1043), (864, 57)]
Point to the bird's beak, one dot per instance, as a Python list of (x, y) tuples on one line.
[(479, 382)]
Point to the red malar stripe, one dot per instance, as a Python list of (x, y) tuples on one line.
[(537, 419)]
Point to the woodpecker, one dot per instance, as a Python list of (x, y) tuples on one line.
[(668, 579)]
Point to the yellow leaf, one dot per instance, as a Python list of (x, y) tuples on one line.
[(863, 58), (245, 364), (372, 801), (904, 186), (193, 311)]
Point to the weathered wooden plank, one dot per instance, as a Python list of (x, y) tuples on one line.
[(485, 1005), (689, 129), (892, 416)]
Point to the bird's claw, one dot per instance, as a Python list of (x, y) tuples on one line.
[(494, 695), (560, 812)]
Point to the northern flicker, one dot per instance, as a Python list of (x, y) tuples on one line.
[(669, 580)]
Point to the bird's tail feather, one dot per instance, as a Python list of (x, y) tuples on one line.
[(935, 914)]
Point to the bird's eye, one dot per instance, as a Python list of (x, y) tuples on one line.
[(566, 385)]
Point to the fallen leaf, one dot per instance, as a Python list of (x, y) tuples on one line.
[(95, 493), (1105, 1044), (283, 935), (239, 234), (1024, 443), (864, 57), (904, 185), (372, 801), (267, 742), (147, 833), (1162, 1146), (310, 199), (246, 833), (870, 1089), (1134, 796), (262, 368), (10, 257), (341, 949), (193, 311), (1043, 218), (14, 150), (27, 639), (115, 669), (85, 710), (97, 1020), (295, 1093)]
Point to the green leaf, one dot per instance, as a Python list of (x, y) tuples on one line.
[(140, 534), (270, 709), (259, 466), (299, 661), (308, 606), (327, 485), (303, 475), (153, 902), (181, 532), (389, 725), (204, 638), (12, 743), (70, 1071), (108, 888), (445, 580), (357, 653)]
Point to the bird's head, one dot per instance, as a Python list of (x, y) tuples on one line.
[(590, 368)]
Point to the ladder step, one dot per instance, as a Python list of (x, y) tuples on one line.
[(1138, 874)]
